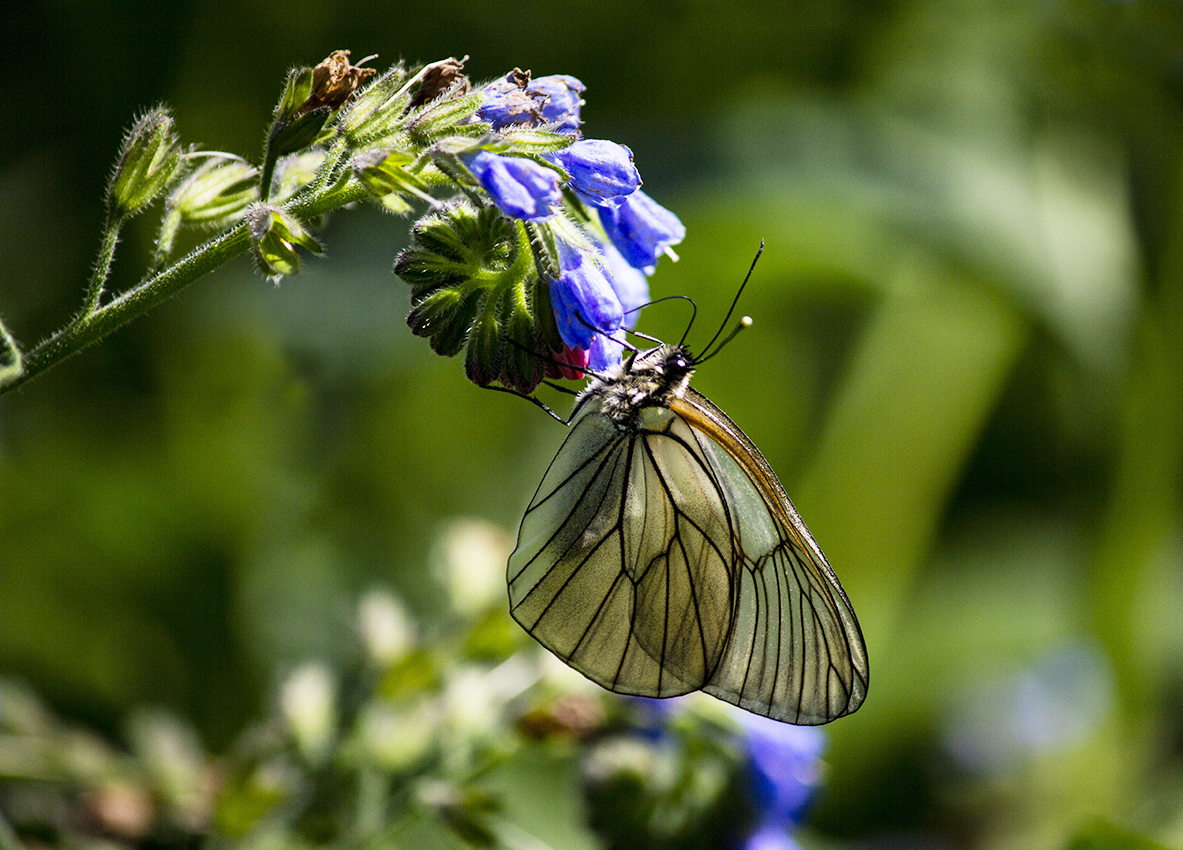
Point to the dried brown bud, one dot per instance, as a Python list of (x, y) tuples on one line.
[(334, 80), (438, 78)]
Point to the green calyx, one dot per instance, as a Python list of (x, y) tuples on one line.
[(475, 287)]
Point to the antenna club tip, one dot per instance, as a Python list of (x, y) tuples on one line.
[(746, 321)]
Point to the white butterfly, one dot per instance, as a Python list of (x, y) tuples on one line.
[(661, 555)]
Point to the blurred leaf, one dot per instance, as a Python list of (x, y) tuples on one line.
[(411, 675), (1102, 835)]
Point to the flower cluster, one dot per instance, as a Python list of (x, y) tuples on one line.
[(591, 234), (679, 775)]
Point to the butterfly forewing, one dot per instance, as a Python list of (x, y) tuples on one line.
[(796, 652), (623, 562)]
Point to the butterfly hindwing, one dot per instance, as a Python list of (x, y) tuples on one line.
[(796, 651)]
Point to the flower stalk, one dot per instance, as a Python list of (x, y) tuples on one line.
[(533, 256)]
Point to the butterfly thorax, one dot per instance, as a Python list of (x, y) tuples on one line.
[(651, 378)]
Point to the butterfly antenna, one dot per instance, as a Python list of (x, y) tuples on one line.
[(734, 302), (690, 324), (742, 324), (643, 336), (607, 335)]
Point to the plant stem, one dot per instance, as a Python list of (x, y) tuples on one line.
[(102, 268), (93, 324)]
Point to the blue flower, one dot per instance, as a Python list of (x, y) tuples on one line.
[(515, 99), (597, 288), (641, 229), (784, 768), (585, 302), (520, 187), (507, 102), (630, 284), (602, 172), (604, 351), (770, 837), (560, 100)]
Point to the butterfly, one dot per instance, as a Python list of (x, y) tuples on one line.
[(660, 555)]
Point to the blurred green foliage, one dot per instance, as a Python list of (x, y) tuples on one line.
[(966, 366)]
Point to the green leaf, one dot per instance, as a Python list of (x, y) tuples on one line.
[(536, 141), (384, 174), (295, 94)]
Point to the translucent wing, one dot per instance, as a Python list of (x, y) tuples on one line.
[(795, 651), (669, 559), (624, 563)]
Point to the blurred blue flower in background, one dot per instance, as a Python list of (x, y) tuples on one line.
[(1057, 701), (784, 772), (520, 187)]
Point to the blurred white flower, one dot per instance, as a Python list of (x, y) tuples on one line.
[(396, 737), (386, 629), (475, 697), (470, 563), (308, 701)]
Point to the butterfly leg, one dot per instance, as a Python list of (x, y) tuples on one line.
[(532, 401)]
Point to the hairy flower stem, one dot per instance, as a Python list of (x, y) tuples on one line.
[(102, 268), (94, 322)]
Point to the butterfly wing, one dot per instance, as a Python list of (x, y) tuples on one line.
[(624, 564), (669, 559), (795, 651)]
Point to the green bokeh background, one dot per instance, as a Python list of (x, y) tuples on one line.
[(966, 365)]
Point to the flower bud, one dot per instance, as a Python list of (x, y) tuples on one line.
[(377, 110), (561, 101), (475, 285), (216, 192), (515, 100), (506, 102), (276, 235), (149, 160), (602, 172), (520, 187)]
